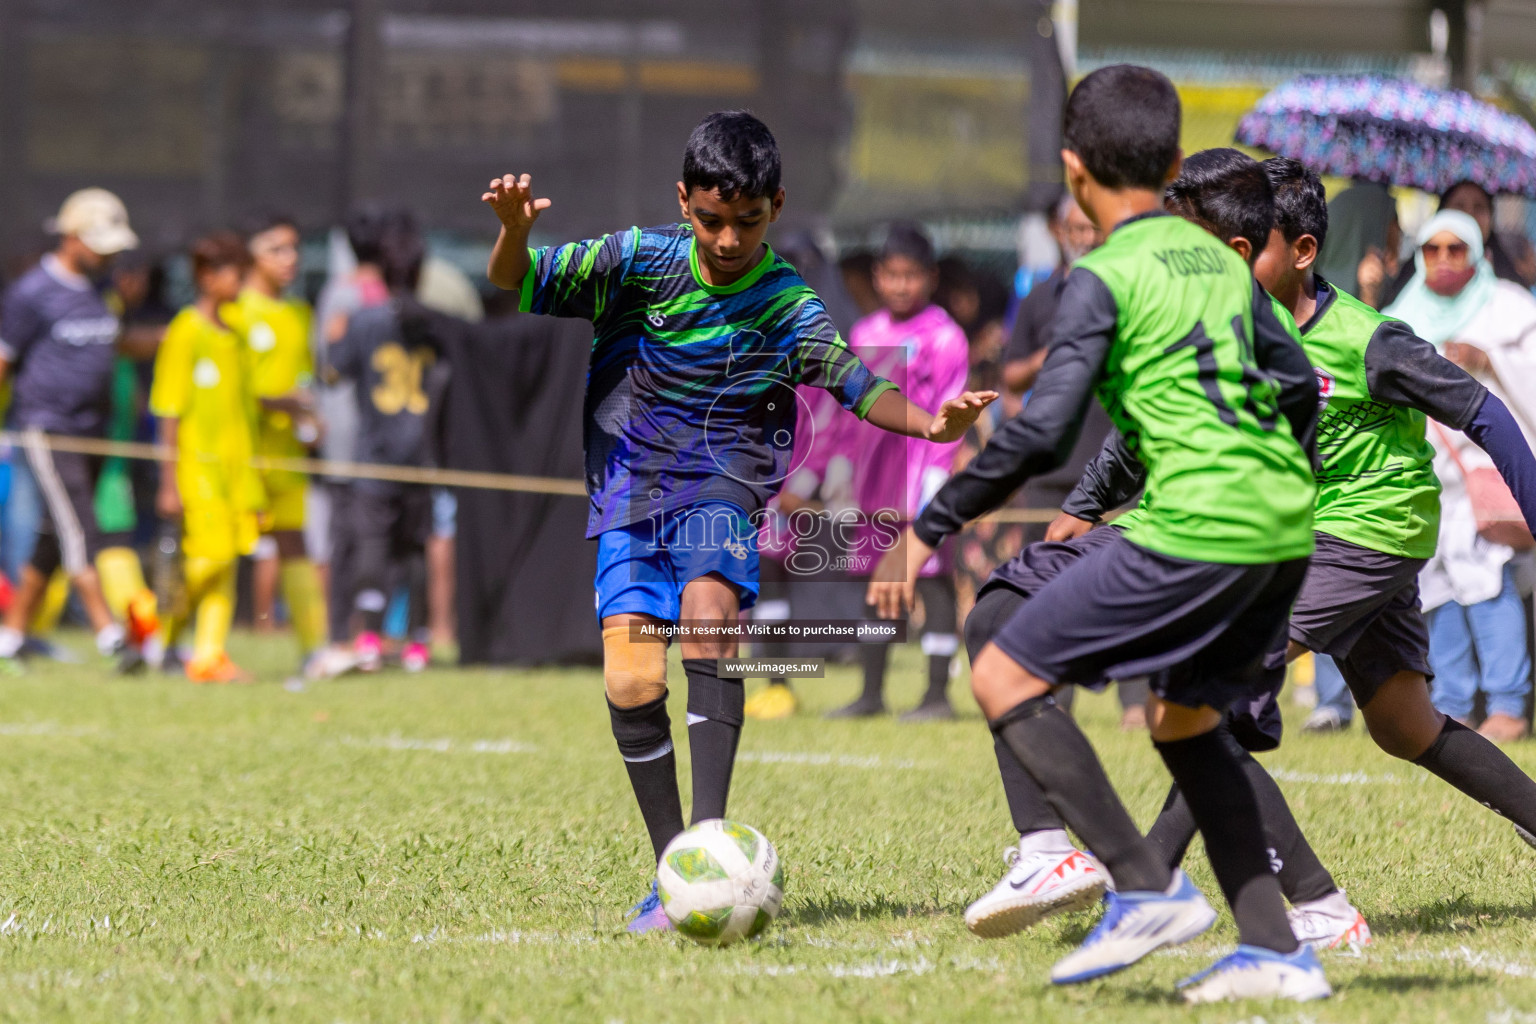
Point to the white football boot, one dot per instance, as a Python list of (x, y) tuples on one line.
[(1255, 973), (1329, 923), (1135, 924), (1046, 875)]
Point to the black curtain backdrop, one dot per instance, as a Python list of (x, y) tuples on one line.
[(524, 566)]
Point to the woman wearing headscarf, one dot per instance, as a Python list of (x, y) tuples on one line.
[(1475, 201), (1456, 301)]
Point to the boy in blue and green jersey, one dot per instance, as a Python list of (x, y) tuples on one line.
[(1187, 355), (702, 334)]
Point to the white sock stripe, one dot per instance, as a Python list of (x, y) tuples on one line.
[(940, 645), (661, 751), (65, 523), (695, 718)]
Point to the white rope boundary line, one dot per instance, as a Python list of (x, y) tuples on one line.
[(468, 478)]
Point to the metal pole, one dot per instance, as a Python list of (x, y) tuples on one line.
[(15, 231), (1047, 98), (358, 143)]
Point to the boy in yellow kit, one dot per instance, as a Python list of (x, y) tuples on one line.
[(276, 328), (202, 397)]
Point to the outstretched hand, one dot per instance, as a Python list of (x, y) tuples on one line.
[(955, 416), (893, 584), (512, 199)]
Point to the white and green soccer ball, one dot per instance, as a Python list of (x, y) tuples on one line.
[(720, 881)]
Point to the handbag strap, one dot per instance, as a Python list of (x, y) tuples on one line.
[(1450, 448)]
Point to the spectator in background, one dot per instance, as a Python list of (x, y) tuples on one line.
[(1504, 255), (57, 342), (914, 343), (207, 415), (1477, 621), (857, 269), (1361, 254), (393, 352), (276, 330)]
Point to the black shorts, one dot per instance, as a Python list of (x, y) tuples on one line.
[(1361, 608), (1041, 562), (67, 531), (396, 520), (1201, 631)]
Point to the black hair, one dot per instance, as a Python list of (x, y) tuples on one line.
[(909, 240), (401, 250), (733, 153), (1229, 195), (1465, 181), (264, 221), (1123, 121), (364, 225), (1301, 204), (217, 250)]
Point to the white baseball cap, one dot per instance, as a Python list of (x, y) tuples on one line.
[(99, 219)]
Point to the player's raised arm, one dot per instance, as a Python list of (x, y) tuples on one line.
[(512, 199), (894, 412)]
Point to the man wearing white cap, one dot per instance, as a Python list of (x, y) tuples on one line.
[(57, 341)]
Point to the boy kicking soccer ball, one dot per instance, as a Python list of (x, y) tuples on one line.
[(1192, 364), (702, 334)]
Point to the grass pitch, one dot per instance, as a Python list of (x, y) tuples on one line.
[(462, 845)]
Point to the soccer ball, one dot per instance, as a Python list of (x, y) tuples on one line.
[(720, 881)]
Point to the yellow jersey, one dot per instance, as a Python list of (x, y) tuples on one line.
[(276, 337), (201, 380)]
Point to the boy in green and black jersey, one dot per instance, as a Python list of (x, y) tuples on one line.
[(1188, 357)]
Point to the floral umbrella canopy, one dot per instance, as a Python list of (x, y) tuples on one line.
[(1396, 132)]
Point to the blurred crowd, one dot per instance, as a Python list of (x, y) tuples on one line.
[(241, 383)]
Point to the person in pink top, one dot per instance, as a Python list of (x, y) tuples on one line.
[(913, 342)]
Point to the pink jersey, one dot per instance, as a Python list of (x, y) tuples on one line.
[(927, 356)]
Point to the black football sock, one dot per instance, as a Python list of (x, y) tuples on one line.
[(714, 728), (874, 657), (1301, 875), (938, 679), (1476, 766), (1057, 755), (644, 735), (1174, 829), (940, 641), (1026, 803), (1223, 804)]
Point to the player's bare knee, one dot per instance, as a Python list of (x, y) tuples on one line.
[(1169, 723), (1400, 717), (634, 666)]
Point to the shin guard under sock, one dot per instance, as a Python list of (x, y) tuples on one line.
[(714, 728), (1057, 755), (1222, 801), (1476, 766), (644, 736)]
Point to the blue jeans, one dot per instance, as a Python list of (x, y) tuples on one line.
[(1332, 691), (23, 511), (1481, 647)]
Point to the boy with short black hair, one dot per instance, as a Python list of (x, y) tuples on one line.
[(1378, 505), (1186, 353), (702, 334)]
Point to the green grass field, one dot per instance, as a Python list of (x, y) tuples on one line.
[(462, 846)]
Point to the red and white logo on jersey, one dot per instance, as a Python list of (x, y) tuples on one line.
[(1324, 385)]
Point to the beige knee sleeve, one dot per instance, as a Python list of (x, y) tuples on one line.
[(634, 667)]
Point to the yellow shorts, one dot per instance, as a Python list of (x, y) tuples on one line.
[(286, 496), (212, 526)]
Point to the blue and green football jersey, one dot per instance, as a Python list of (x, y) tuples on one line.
[(691, 388)]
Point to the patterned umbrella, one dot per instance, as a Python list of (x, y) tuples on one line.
[(1396, 132)]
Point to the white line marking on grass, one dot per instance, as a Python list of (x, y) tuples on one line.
[(1339, 779), (1480, 961), (838, 760), (440, 746), (880, 967), (39, 729)]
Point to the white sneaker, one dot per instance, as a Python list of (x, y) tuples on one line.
[(1255, 973), (1134, 924), (1046, 875), (330, 663), (1329, 923)]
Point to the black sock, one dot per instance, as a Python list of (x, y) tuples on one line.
[(714, 727), (644, 735), (1476, 766), (1174, 829), (874, 657), (1223, 804), (1057, 755), (1302, 876), (1026, 803), (938, 679)]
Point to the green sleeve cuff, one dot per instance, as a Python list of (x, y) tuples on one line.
[(867, 402), (525, 295)]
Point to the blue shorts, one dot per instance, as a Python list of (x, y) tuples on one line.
[(642, 568)]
